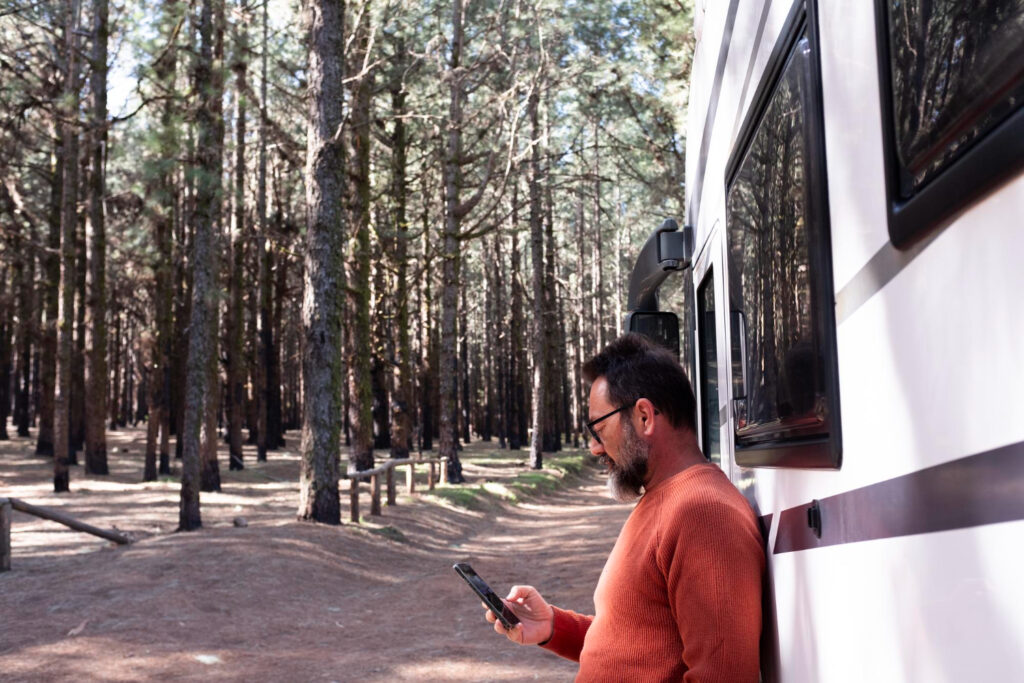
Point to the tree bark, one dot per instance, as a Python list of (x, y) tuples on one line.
[(402, 397), (552, 387), (321, 319), (96, 404), (450, 251), (464, 403), (209, 467), (163, 212), (77, 395), (236, 311), (68, 223), (360, 339), (51, 296), (25, 274), (6, 360), (204, 284), (514, 383), (597, 252), (539, 341)]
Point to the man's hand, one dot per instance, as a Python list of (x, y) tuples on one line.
[(536, 618)]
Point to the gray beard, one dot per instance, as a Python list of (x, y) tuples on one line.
[(626, 481)]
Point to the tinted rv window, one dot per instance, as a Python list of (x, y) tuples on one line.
[(957, 71), (952, 79), (708, 352), (782, 323)]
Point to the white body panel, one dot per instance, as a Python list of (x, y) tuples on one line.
[(930, 366)]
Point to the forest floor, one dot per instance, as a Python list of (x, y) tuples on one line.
[(282, 600)]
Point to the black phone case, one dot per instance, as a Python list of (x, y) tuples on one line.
[(507, 618)]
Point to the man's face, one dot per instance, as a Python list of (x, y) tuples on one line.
[(621, 449)]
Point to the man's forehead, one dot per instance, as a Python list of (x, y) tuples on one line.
[(599, 401)]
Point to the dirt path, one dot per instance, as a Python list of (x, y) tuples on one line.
[(279, 599)]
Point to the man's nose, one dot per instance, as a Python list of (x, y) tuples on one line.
[(596, 447)]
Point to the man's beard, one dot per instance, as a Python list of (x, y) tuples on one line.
[(626, 478)]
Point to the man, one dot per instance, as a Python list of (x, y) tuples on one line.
[(680, 594)]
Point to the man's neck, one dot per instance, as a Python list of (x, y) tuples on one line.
[(671, 457)]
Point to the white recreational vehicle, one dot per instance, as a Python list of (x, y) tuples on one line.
[(852, 269)]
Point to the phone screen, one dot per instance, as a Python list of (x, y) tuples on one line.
[(480, 587)]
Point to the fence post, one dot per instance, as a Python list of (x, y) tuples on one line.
[(353, 506), (444, 470), (430, 477), (6, 512), (391, 485), (410, 478), (375, 495)]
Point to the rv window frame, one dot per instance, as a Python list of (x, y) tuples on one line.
[(822, 451), (990, 161)]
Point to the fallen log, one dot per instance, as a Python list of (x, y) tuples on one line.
[(61, 518)]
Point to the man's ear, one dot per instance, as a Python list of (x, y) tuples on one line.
[(645, 412)]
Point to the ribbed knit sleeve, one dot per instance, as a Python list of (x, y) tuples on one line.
[(710, 554), (570, 630)]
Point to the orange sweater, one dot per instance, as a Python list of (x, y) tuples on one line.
[(680, 595)]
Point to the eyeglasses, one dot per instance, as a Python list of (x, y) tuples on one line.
[(590, 425)]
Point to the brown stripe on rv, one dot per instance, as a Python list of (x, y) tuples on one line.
[(986, 488)]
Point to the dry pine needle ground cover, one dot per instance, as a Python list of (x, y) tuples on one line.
[(283, 600)]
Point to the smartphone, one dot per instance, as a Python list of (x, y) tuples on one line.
[(507, 618)]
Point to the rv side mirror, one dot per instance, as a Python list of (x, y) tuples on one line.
[(659, 326)]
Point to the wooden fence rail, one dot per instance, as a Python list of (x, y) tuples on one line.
[(437, 471), (7, 505)]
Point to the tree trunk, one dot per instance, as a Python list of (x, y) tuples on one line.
[(209, 467), (382, 345), (539, 342), (204, 283), (96, 404), (114, 389), (236, 281), (579, 337), (402, 397), (463, 403), (51, 296), (325, 224), (68, 223), (552, 386), (447, 369), (26, 307), (275, 437), (360, 339), (77, 396), (163, 212), (5, 351), (497, 267), (275, 422), (265, 270), (515, 373), (597, 253)]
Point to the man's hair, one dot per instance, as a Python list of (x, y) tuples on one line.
[(635, 368)]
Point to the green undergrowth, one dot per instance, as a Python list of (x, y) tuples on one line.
[(512, 481)]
